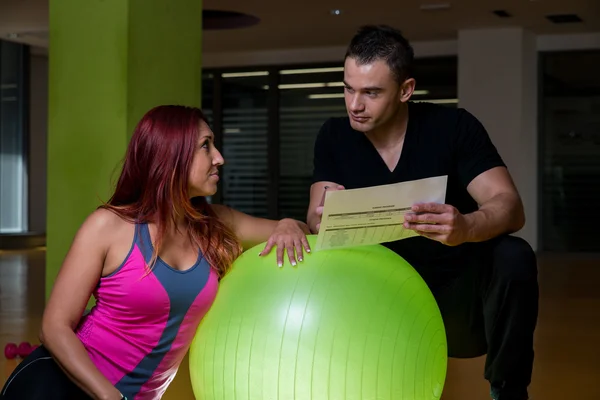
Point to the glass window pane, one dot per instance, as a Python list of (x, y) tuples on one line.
[(570, 151), (207, 104), (207, 96), (13, 187), (245, 123), (436, 80), (308, 97)]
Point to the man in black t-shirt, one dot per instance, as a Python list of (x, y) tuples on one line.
[(483, 278)]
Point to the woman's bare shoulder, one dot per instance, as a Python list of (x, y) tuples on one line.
[(115, 234), (103, 221)]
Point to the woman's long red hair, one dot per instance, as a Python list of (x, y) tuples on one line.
[(153, 185)]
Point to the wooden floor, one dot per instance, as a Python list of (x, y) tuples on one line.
[(567, 365)]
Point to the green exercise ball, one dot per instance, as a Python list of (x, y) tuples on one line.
[(344, 324)]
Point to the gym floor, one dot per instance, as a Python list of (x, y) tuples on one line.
[(567, 351)]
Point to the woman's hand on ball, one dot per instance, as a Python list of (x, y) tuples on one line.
[(288, 235)]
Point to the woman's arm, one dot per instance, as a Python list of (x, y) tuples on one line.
[(79, 274), (285, 234)]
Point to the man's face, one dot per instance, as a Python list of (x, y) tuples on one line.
[(372, 95)]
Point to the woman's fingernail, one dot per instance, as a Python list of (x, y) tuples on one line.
[(300, 259), (293, 263), (308, 250), (279, 265)]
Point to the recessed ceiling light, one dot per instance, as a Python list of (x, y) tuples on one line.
[(564, 18), (218, 19), (502, 13), (336, 12), (434, 6)]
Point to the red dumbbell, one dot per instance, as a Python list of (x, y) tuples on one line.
[(11, 351), (24, 349)]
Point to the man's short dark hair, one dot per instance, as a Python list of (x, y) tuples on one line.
[(382, 42)]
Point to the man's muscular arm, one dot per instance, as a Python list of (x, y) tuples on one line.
[(500, 212)]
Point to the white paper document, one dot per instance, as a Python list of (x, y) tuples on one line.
[(374, 215)]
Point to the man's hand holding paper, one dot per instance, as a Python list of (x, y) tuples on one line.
[(375, 215)]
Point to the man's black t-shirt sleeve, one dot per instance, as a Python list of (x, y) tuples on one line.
[(324, 164), (475, 152)]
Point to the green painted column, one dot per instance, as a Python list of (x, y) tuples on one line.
[(110, 61)]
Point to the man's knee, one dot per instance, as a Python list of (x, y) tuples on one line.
[(514, 259)]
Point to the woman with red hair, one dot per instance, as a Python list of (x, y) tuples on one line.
[(152, 256)]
